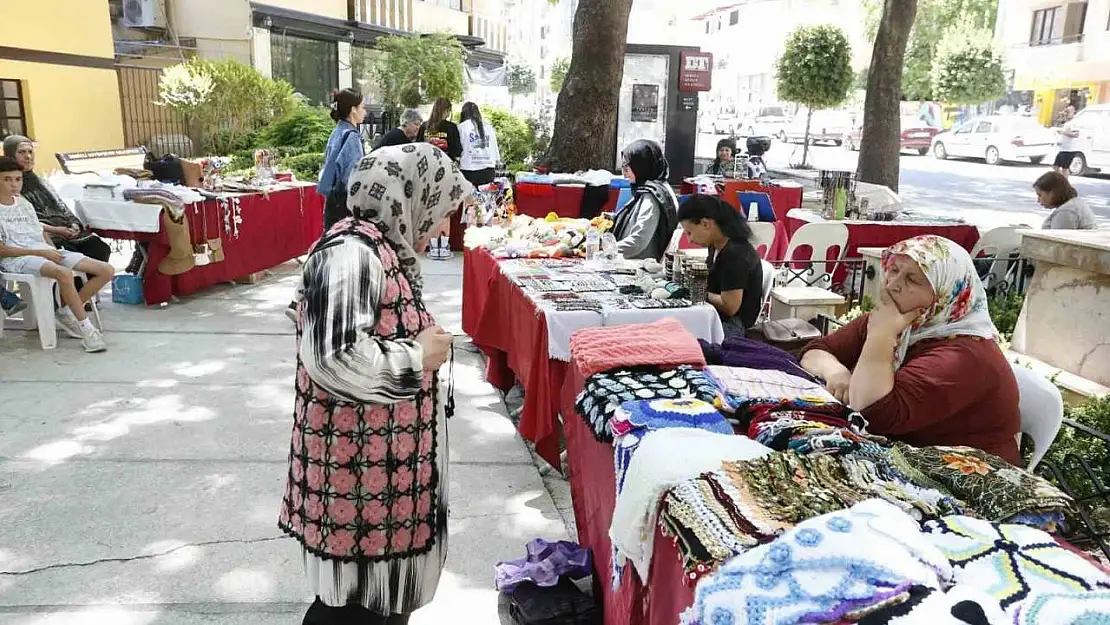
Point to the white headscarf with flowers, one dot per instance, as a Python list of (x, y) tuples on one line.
[(960, 301)]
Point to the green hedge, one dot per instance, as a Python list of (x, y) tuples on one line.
[(514, 136), (306, 166), (307, 128)]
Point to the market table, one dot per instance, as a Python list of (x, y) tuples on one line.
[(862, 233), (538, 199), (513, 333), (275, 227)]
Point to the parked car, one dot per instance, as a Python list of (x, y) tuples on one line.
[(766, 122), (997, 138), (826, 126), (915, 135), (725, 124), (1093, 142)]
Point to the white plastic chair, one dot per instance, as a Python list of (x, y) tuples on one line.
[(768, 285), (763, 235), (820, 237), (997, 245), (39, 297), (1042, 411)]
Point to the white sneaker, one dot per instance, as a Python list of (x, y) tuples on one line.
[(93, 342), (68, 324)]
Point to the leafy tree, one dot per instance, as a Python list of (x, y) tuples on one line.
[(522, 81), (585, 134), (307, 128), (224, 101), (415, 70), (815, 70), (967, 69), (558, 74), (515, 137), (880, 146), (935, 19)]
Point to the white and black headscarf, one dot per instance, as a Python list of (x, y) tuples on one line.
[(406, 191)]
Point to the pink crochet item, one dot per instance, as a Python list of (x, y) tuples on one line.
[(665, 343)]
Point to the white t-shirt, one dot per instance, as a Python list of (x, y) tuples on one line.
[(20, 227), (1068, 144), (477, 154)]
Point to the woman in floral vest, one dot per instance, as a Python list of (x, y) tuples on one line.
[(367, 486)]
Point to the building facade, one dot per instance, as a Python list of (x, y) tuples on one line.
[(58, 83), (1058, 52)]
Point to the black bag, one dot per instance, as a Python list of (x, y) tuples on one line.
[(561, 604), (167, 169)]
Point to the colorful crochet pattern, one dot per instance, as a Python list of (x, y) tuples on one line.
[(605, 392), (1086, 608), (830, 567), (664, 343), (1011, 562)]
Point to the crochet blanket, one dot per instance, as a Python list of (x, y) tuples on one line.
[(605, 392), (739, 351), (838, 566), (742, 383), (960, 605), (1084, 608), (663, 459), (664, 343)]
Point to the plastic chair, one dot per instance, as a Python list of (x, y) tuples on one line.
[(39, 314), (623, 197), (1042, 411), (820, 238), (768, 285), (996, 248), (764, 210), (763, 237)]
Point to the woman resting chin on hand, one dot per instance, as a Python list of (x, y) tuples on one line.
[(924, 367)]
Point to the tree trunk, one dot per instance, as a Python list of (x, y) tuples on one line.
[(805, 138), (879, 148), (585, 131)]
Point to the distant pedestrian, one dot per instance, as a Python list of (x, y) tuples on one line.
[(405, 133), (1069, 212), (479, 142), (443, 133), (726, 149), (1069, 138)]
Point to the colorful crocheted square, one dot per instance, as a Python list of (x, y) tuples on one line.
[(1085, 608)]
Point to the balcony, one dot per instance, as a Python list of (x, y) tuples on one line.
[(1056, 52)]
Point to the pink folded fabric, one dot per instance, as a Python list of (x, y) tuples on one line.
[(665, 343)]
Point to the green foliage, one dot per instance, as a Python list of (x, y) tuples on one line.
[(239, 102), (815, 69), (514, 136), (307, 127), (967, 69), (1004, 309), (522, 80), (935, 19), (415, 70), (1072, 446), (559, 73), (306, 166)]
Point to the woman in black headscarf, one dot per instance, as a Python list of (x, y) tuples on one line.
[(726, 149), (644, 228), (64, 227)]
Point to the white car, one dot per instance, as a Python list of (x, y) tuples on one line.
[(995, 139), (1092, 146), (766, 122)]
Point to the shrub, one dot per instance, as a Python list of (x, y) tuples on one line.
[(1004, 309), (306, 166), (307, 127), (514, 136)]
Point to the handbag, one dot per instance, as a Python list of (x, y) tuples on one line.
[(789, 335), (561, 604)]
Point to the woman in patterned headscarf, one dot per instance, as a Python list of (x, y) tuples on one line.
[(367, 487), (924, 367)]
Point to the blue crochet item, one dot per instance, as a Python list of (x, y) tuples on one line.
[(1086, 608)]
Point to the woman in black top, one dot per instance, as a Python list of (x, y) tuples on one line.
[(735, 272), (646, 224), (726, 149), (441, 131), (405, 133)]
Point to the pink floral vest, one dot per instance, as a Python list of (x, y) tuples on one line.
[(363, 478)]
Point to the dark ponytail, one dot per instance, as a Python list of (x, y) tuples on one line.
[(470, 112), (342, 102), (729, 220)]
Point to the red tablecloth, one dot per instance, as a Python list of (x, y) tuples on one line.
[(275, 229), (537, 199), (594, 496), (783, 199), (506, 326)]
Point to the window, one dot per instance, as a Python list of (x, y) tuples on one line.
[(1045, 24), (966, 128), (13, 117), (984, 127), (708, 25), (311, 66), (734, 18), (450, 4)]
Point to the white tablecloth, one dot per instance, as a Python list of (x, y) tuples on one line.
[(119, 215), (702, 321)]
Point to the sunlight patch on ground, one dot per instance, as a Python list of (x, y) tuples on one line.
[(458, 602), (177, 557), (97, 615), (198, 369), (157, 383), (244, 585), (11, 561)]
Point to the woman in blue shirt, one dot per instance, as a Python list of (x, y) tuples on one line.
[(344, 151)]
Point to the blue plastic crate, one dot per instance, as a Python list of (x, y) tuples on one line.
[(127, 289)]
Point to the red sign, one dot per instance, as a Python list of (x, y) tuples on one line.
[(696, 72)]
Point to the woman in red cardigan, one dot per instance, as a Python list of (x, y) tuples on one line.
[(924, 367)]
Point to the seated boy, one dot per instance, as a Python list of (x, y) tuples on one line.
[(25, 248)]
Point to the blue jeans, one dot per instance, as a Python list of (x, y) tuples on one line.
[(8, 300)]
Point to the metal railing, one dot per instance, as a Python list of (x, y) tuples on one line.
[(159, 129), (1079, 478)]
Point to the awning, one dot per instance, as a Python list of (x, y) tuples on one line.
[(316, 26)]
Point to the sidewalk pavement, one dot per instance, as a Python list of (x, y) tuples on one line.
[(141, 486)]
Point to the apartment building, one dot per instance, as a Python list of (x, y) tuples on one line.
[(1058, 51), (58, 81), (747, 37)]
